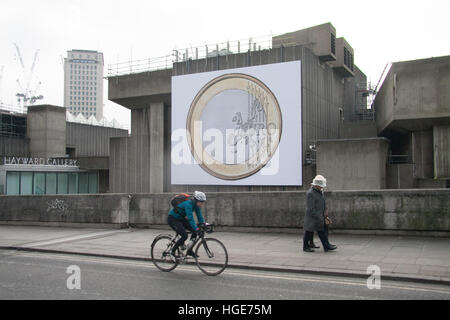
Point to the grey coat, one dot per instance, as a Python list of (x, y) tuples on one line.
[(315, 211)]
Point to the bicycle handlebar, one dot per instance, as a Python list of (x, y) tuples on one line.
[(207, 228)]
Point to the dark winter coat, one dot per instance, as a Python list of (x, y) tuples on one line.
[(315, 211)]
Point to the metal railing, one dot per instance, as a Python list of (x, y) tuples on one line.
[(138, 66), (365, 115), (399, 159), (192, 53)]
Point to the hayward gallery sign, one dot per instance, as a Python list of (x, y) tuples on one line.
[(40, 161)]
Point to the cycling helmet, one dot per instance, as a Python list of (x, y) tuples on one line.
[(199, 196)]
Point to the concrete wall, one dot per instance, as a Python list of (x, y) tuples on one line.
[(140, 89), (355, 130), (397, 210), (10, 146), (353, 164), (415, 95), (96, 209), (91, 141), (46, 131), (418, 210), (400, 176)]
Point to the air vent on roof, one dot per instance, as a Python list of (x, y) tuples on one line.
[(333, 44), (344, 63)]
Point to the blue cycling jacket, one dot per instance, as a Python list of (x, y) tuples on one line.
[(185, 209)]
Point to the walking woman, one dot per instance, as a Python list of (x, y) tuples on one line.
[(316, 212)]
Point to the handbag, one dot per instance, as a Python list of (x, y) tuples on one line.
[(328, 221)]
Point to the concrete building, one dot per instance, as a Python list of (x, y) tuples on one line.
[(408, 144), (399, 141), (332, 94), (413, 111), (41, 153), (83, 83)]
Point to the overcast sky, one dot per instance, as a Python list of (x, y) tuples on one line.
[(379, 32)]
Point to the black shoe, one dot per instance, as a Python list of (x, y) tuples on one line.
[(308, 250), (313, 245), (330, 248)]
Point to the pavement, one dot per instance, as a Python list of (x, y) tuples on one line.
[(406, 258)]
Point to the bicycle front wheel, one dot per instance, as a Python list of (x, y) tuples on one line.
[(160, 253), (212, 256)]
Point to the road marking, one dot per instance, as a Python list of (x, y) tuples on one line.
[(86, 236), (312, 279), (193, 268)]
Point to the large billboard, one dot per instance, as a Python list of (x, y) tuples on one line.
[(238, 126)]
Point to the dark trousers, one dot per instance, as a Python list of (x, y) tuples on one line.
[(180, 228), (323, 236)]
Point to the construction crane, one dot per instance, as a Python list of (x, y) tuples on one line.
[(26, 96)]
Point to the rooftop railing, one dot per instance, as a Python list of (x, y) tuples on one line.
[(192, 53)]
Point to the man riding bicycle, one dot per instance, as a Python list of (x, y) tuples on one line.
[(181, 218)]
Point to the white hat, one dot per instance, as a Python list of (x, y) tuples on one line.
[(319, 181)]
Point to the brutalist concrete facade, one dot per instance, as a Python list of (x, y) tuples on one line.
[(328, 94), (353, 164), (413, 111), (46, 129)]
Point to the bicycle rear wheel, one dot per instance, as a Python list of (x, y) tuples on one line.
[(212, 256), (160, 253)]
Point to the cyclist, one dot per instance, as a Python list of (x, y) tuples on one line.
[(184, 219)]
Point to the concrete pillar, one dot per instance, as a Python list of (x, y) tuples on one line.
[(118, 165), (146, 150), (156, 147), (46, 129), (441, 150)]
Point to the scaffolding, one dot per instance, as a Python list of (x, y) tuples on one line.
[(12, 124), (364, 109)]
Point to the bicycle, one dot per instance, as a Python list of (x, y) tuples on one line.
[(211, 256)]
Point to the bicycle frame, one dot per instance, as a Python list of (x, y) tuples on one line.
[(198, 240)]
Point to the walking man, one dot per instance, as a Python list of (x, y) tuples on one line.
[(316, 211)]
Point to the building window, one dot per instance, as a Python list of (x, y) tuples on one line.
[(39, 183), (73, 183), (26, 183), (18, 183), (50, 183), (62, 183), (93, 182), (13, 183), (83, 183)]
